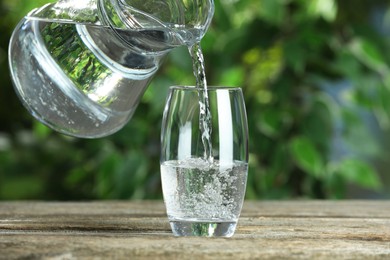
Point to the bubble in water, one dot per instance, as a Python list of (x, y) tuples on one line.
[(195, 188)]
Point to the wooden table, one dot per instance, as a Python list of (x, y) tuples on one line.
[(140, 230)]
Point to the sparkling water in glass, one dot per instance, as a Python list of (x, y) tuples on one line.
[(204, 193)]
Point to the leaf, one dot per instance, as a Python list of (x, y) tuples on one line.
[(273, 122), (353, 129), (368, 53), (40, 130), (273, 11), (360, 173), (327, 9), (233, 77), (295, 55), (317, 124), (306, 156)]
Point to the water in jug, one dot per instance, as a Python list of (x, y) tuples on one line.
[(82, 66)]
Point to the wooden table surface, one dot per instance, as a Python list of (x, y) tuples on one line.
[(140, 230)]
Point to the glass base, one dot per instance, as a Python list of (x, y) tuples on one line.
[(203, 228)]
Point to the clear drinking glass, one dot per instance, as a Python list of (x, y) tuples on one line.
[(203, 195)]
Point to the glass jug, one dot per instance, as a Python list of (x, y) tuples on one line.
[(82, 66)]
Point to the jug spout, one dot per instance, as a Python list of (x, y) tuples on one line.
[(188, 20)]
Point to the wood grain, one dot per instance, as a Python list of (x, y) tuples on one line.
[(140, 230)]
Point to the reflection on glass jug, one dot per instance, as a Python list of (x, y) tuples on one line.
[(81, 67)]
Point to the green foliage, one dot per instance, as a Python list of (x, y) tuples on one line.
[(358, 172), (291, 57), (315, 78), (306, 156)]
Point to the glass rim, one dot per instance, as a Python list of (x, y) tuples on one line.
[(209, 88)]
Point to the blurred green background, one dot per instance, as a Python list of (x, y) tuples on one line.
[(316, 79)]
